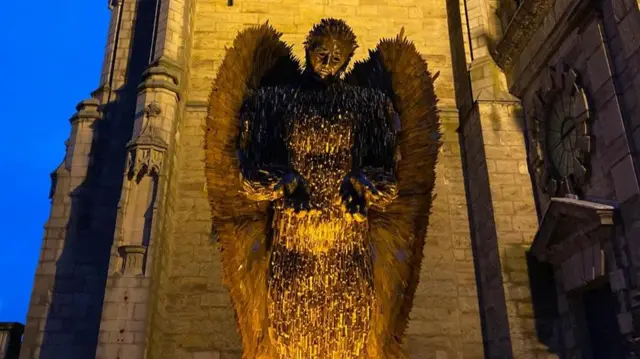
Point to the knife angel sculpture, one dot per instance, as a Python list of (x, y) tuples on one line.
[(320, 185)]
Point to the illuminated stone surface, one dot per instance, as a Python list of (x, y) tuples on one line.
[(181, 310)]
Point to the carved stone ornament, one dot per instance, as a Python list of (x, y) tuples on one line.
[(152, 110), (114, 3), (145, 160), (132, 258), (521, 27), (87, 110), (561, 135), (146, 152), (569, 225)]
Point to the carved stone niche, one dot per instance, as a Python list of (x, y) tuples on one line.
[(576, 237), (10, 339), (575, 229), (146, 152), (132, 259)]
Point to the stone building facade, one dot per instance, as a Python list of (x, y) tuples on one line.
[(577, 63), (128, 268)]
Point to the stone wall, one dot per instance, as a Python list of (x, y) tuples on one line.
[(586, 52), (600, 42), (480, 228), (66, 304), (503, 224), (500, 198)]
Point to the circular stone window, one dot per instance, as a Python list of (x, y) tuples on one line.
[(561, 135)]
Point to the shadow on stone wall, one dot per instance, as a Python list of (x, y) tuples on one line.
[(545, 303), (75, 305)]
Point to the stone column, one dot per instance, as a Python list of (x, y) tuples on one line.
[(79, 145), (68, 291), (124, 323), (118, 48), (67, 188), (619, 26), (502, 209)]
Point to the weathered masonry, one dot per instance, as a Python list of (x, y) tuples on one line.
[(534, 241)]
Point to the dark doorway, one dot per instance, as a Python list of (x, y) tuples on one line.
[(601, 317)]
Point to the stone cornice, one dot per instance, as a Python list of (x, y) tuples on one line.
[(526, 21), (197, 106), (11, 326), (450, 111), (148, 140), (526, 24), (525, 70), (148, 136), (577, 219), (164, 74), (87, 110)]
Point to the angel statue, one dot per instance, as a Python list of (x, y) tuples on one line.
[(320, 184)]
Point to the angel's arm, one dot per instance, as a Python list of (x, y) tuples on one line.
[(262, 152), (376, 169)]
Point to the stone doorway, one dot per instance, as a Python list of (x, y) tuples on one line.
[(600, 313)]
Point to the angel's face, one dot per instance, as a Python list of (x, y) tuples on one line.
[(327, 58)]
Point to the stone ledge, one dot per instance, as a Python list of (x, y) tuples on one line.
[(87, 110), (526, 28), (164, 74), (525, 23), (567, 223), (196, 106)]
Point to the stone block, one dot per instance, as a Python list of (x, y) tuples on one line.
[(624, 179), (598, 68), (609, 123), (111, 326), (503, 224), (117, 311), (140, 311), (139, 338), (131, 351), (625, 322), (135, 326), (612, 154), (617, 280), (629, 29), (230, 355), (525, 223), (206, 355)]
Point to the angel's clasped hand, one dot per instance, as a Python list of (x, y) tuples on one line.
[(354, 195), (358, 194), (272, 185), (295, 190)]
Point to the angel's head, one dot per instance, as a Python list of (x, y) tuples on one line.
[(329, 47)]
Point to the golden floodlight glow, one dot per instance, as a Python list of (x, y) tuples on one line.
[(307, 278), (321, 297)]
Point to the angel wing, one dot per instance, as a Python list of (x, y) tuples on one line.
[(398, 233), (257, 59)]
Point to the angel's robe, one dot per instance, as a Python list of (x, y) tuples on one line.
[(320, 287)]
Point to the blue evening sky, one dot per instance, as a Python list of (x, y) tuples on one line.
[(50, 55)]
